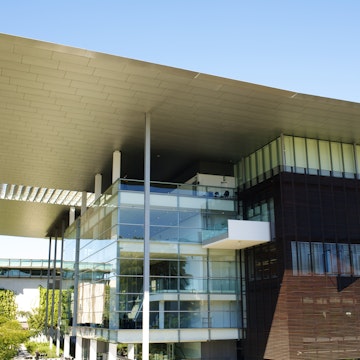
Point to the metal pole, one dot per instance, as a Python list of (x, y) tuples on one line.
[(76, 277), (58, 334), (53, 293), (146, 297), (47, 291)]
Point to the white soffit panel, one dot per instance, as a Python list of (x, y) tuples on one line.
[(241, 234)]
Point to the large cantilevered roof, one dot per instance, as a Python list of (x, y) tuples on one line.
[(63, 111)]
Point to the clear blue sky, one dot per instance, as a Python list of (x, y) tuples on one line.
[(308, 46)]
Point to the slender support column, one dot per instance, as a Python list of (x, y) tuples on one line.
[(116, 166), (146, 299), (112, 353), (131, 352), (83, 202), (58, 333), (93, 349), (78, 348), (71, 215), (52, 332), (66, 345), (76, 279), (98, 185), (47, 292)]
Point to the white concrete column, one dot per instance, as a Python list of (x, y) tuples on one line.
[(78, 348), (98, 185), (161, 314), (116, 166), (93, 349), (71, 215), (112, 354), (131, 351), (83, 202), (66, 345)]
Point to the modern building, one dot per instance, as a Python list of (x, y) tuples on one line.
[(217, 219)]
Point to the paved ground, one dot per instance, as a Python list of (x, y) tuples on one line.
[(23, 354)]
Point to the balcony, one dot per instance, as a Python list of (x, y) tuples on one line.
[(239, 234)]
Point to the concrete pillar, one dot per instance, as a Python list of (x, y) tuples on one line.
[(98, 185), (112, 354), (116, 166), (83, 202), (131, 351), (71, 215), (78, 348), (93, 349), (66, 345)]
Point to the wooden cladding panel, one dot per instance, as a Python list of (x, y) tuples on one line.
[(313, 320)]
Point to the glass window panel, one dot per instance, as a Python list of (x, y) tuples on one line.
[(164, 267), (131, 284), (259, 160), (304, 264), (294, 258), (344, 259), (325, 161), (300, 153), (289, 151), (171, 320), (222, 269), (317, 253), (239, 175), (131, 215), (355, 255), (131, 231), (358, 157), (251, 268), (253, 166), (131, 266), (312, 155), (247, 169), (330, 257), (164, 233), (274, 154), (336, 158), (280, 151), (190, 235), (267, 162), (190, 319), (190, 218), (349, 160)]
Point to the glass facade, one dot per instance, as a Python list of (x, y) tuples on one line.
[(19, 268), (190, 287), (299, 155), (325, 258)]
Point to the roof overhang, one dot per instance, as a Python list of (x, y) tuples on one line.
[(65, 110)]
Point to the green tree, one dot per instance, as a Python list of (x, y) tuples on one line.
[(7, 304), (37, 319), (12, 335)]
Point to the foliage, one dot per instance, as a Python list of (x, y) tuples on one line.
[(37, 319), (12, 335), (7, 304), (42, 348)]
